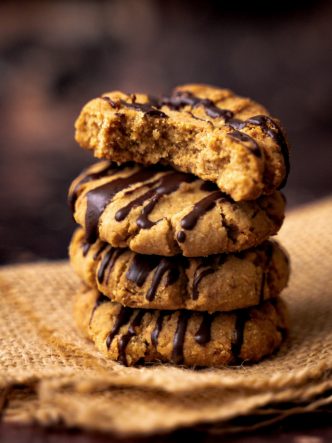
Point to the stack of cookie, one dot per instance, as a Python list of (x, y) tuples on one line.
[(173, 245)]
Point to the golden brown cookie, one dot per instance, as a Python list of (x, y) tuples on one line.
[(216, 283), (200, 129), (157, 210), (133, 336)]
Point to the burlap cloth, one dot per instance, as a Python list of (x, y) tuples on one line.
[(49, 374)]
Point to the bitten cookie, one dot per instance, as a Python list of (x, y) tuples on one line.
[(200, 129), (157, 210), (133, 336), (216, 283)]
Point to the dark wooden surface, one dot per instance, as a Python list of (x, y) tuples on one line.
[(54, 56), (314, 428)]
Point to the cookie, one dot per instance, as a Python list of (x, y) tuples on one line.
[(134, 336), (158, 210), (216, 283), (199, 129)]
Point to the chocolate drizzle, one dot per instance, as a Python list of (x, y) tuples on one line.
[(148, 108), (270, 128), (165, 266), (143, 265), (179, 337), (85, 248), (107, 263), (180, 99), (265, 266), (99, 301), (164, 185), (203, 334), (99, 251), (121, 319), (248, 141), (125, 339), (200, 208), (240, 322), (208, 266), (158, 327), (122, 213), (181, 236), (168, 184), (100, 197), (108, 169), (140, 268)]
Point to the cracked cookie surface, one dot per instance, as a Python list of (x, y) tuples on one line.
[(158, 210), (133, 336), (217, 283), (200, 129)]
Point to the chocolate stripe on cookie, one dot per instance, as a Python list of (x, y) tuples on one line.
[(107, 263), (143, 265), (107, 170), (121, 319), (100, 197), (99, 301), (240, 322), (203, 334), (166, 184), (158, 327), (208, 266), (200, 208), (125, 339), (179, 337)]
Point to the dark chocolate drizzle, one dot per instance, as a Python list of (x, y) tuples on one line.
[(179, 337), (270, 128), (248, 141), (158, 327), (140, 268), (200, 273), (165, 266), (203, 334), (100, 197), (200, 208), (99, 251), (240, 322), (268, 258), (168, 184), (108, 261), (125, 339), (231, 228), (142, 265), (208, 266), (122, 213), (108, 169), (85, 248), (121, 319), (148, 108), (181, 236), (180, 99), (99, 301)]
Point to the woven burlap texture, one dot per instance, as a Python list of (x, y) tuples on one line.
[(48, 373)]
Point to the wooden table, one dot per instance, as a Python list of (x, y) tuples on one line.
[(310, 428)]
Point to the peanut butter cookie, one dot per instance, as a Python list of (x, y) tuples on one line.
[(216, 283), (158, 210), (199, 129), (133, 336)]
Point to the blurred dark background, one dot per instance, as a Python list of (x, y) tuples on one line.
[(54, 56)]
